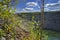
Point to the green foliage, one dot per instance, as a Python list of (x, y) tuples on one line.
[(1, 33), (10, 21), (7, 18), (34, 30)]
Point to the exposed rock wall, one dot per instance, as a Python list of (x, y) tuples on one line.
[(52, 20)]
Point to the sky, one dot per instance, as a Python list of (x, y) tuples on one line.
[(35, 5)]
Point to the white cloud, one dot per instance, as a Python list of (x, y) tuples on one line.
[(52, 6), (59, 1), (33, 4), (20, 11), (46, 9), (28, 9), (38, 6), (23, 11)]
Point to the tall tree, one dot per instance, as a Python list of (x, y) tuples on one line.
[(42, 19)]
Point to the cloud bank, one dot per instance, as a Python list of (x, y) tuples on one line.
[(30, 6), (34, 6), (52, 6)]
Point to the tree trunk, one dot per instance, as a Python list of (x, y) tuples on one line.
[(42, 19)]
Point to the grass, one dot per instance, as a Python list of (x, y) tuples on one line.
[(52, 33)]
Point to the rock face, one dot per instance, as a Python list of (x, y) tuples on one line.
[(52, 21)]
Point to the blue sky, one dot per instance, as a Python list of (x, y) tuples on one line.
[(35, 5)]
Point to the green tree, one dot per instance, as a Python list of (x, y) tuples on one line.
[(7, 19)]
